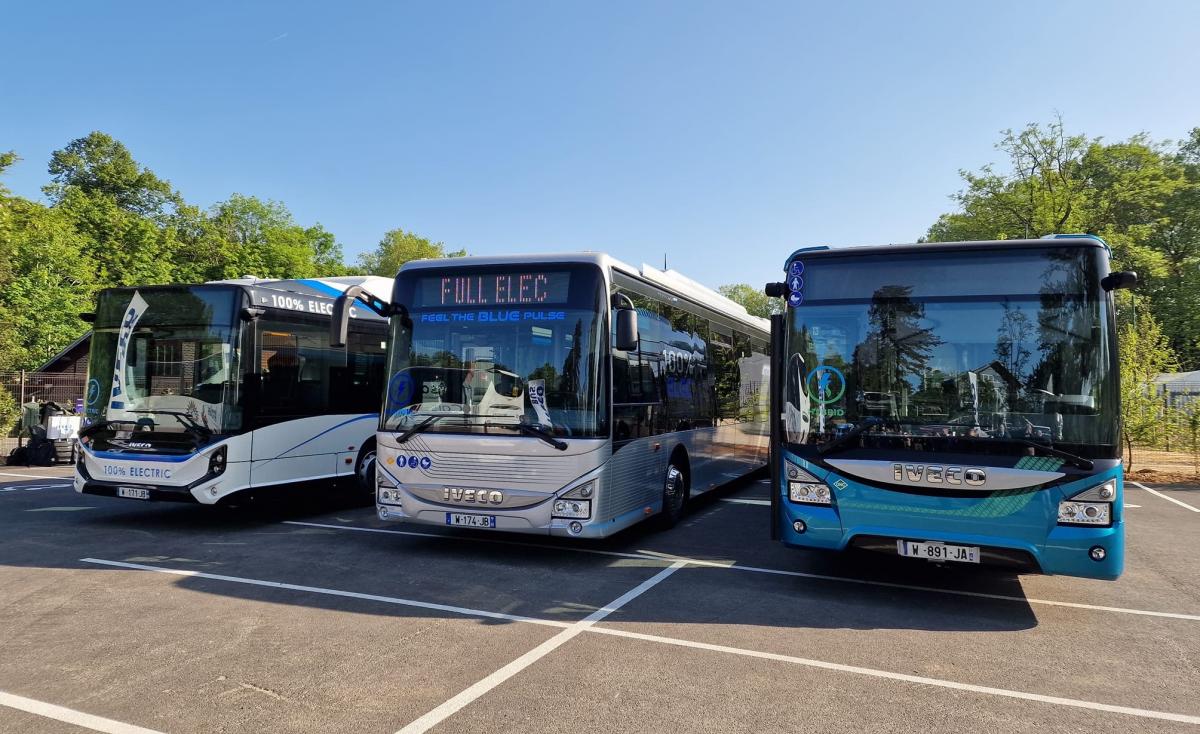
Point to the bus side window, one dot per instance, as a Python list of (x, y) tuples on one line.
[(725, 379)]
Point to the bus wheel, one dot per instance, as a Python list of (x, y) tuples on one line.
[(675, 492), (364, 469)]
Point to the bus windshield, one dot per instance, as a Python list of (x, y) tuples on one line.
[(953, 351), (166, 359), (492, 348)]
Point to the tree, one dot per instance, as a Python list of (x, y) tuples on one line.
[(100, 165), (1145, 353), (753, 299), (398, 247)]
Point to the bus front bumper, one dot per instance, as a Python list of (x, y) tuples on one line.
[(1068, 551), (208, 489), (534, 520)]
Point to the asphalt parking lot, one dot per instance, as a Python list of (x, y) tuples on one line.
[(313, 616)]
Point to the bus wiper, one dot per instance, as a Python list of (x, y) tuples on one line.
[(417, 428), (1076, 461), (532, 430), (189, 424), (853, 433)]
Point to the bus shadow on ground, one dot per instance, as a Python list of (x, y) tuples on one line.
[(539, 576)]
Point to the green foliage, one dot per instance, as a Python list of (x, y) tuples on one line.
[(1142, 197), (1145, 353), (112, 221), (752, 299), (398, 247)]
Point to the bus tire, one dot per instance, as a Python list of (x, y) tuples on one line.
[(675, 491), (364, 469)]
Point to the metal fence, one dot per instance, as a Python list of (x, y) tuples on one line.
[(66, 389)]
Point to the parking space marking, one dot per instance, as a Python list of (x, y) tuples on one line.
[(449, 708), (29, 476), (918, 679), (1156, 493), (741, 501), (331, 592), (589, 625), (70, 716), (733, 566), (32, 487)]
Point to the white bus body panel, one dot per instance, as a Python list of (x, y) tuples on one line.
[(308, 449)]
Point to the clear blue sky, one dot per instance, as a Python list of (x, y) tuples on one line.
[(724, 135)]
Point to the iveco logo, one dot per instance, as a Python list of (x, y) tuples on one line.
[(462, 496), (937, 474), (137, 445)]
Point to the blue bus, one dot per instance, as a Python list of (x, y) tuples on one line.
[(951, 402)]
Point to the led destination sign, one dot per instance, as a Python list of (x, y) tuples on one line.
[(494, 289)]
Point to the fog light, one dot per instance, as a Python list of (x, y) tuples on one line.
[(575, 527), (1097, 553), (213, 491), (799, 526), (383, 513)]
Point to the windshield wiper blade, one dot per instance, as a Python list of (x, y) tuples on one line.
[(853, 433), (1074, 460), (418, 427), (189, 423), (532, 430)]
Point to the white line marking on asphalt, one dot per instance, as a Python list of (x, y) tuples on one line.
[(330, 592), (1155, 492), (740, 501), (456, 704), (31, 487), (918, 679), (732, 565), (29, 476), (1134, 506), (70, 716), (589, 624)]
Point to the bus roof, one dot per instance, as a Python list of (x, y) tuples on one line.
[(671, 281), (1049, 241)]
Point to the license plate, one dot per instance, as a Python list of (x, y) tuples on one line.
[(134, 493), (470, 521), (938, 551)]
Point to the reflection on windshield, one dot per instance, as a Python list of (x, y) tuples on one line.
[(538, 367), (165, 352), (1032, 366)]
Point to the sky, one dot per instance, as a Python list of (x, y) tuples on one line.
[(720, 136)]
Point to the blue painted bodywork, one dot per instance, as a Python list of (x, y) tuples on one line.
[(1023, 520)]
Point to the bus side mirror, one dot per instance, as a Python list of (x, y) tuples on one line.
[(1119, 280), (339, 324), (776, 290), (627, 330)]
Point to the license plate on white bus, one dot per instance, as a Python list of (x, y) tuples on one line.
[(133, 493), (470, 521), (938, 551)]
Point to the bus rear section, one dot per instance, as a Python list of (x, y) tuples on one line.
[(198, 393), (517, 402), (962, 405)]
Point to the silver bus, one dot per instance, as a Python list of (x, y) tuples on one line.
[(568, 395)]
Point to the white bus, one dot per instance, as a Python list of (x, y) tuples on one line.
[(199, 392), (567, 395)]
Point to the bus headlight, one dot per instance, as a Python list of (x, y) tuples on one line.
[(805, 488), (216, 462), (1072, 512), (568, 508)]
